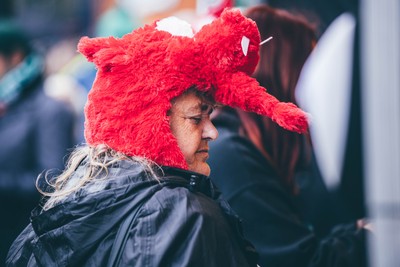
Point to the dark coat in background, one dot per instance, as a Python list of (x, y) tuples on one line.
[(36, 132), (272, 220)]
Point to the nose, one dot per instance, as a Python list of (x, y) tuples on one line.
[(210, 132)]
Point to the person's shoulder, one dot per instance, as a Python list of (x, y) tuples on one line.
[(175, 193), (20, 252), (180, 200), (230, 143)]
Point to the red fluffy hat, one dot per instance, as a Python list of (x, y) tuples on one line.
[(141, 72)]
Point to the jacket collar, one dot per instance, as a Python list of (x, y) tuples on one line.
[(194, 181)]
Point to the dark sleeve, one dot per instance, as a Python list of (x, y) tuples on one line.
[(46, 135), (270, 220), (180, 228), (20, 252)]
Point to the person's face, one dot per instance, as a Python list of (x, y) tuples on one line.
[(8, 63), (4, 65), (190, 123)]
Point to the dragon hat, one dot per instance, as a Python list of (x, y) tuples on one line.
[(139, 74)]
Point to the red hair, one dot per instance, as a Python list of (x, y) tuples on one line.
[(281, 61)]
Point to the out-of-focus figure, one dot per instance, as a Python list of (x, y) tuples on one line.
[(35, 131), (263, 170)]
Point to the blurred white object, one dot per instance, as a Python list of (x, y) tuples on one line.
[(324, 91), (380, 45), (65, 88), (175, 26)]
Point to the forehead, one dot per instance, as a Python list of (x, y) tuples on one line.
[(191, 103)]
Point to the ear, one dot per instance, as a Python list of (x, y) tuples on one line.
[(231, 42), (104, 52)]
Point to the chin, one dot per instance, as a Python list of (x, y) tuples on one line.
[(204, 170), (206, 173)]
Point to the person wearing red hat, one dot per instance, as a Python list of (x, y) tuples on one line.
[(138, 193)]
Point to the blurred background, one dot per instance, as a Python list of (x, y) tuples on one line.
[(49, 21), (55, 26)]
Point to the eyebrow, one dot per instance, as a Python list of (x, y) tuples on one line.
[(202, 107)]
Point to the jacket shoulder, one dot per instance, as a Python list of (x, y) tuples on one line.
[(20, 252), (183, 228)]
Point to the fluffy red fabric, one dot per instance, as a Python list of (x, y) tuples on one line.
[(141, 72)]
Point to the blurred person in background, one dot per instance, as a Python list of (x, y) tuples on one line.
[(269, 175), (35, 131)]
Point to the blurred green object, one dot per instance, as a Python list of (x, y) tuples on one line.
[(115, 22), (12, 38)]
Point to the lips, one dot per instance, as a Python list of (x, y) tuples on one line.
[(203, 154)]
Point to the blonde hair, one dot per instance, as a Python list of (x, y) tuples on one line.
[(96, 161)]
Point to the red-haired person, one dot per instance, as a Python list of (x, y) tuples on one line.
[(255, 164)]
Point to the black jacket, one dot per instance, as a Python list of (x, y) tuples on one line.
[(178, 222), (271, 219)]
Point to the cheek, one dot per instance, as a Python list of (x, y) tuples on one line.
[(189, 142), (188, 137)]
